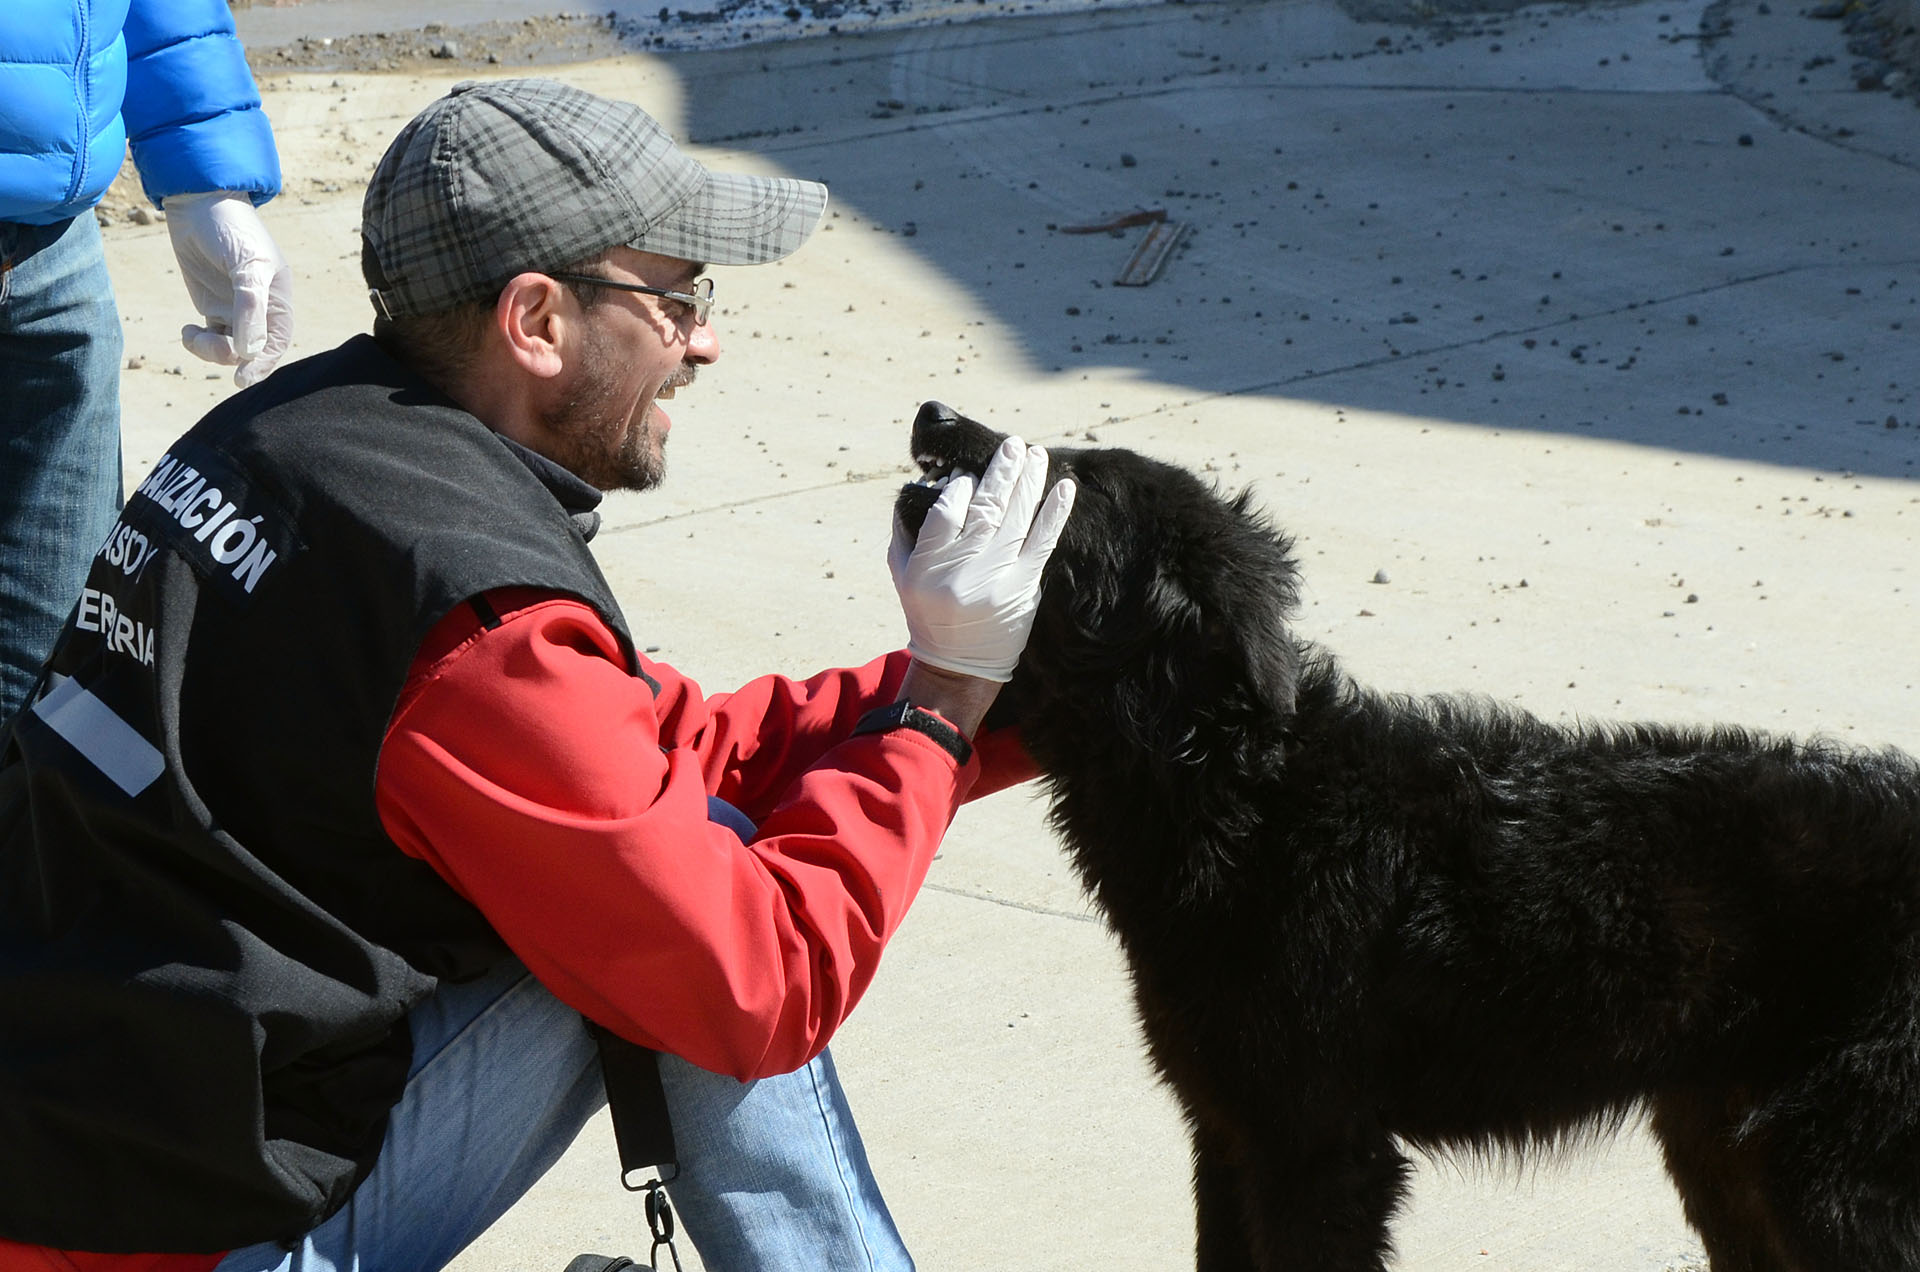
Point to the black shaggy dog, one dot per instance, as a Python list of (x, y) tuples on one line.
[(1357, 921)]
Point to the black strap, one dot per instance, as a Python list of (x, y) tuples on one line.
[(483, 610), (637, 1103), (643, 1133)]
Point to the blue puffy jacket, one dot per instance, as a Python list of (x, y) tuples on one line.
[(79, 79)]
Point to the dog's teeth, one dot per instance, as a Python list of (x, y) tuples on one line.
[(935, 471)]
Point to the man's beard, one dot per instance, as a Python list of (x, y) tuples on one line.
[(593, 441)]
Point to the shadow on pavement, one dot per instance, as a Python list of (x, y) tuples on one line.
[(1552, 219)]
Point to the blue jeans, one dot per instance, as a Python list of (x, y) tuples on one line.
[(60, 348), (772, 1173)]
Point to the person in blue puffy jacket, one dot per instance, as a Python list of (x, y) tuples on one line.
[(80, 80)]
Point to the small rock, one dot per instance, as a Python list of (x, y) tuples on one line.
[(137, 361), (446, 50), (1128, 161), (1380, 576), (1871, 77), (141, 216)]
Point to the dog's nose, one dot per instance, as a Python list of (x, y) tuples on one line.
[(935, 413)]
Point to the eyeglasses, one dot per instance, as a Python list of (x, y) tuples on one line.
[(699, 300)]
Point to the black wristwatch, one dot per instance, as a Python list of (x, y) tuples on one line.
[(904, 715)]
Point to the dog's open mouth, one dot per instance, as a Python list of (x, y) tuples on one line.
[(935, 472), (945, 445)]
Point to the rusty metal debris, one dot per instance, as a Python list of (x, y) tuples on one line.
[(1148, 258), (1114, 224)]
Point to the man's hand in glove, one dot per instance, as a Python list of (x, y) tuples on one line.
[(970, 582)]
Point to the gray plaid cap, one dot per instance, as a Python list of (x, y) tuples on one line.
[(504, 176)]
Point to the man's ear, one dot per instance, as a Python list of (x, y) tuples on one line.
[(535, 318)]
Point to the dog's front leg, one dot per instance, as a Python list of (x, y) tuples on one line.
[(1322, 1202), (1275, 1202), (1220, 1193)]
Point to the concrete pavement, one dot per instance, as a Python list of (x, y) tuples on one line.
[(1593, 330)]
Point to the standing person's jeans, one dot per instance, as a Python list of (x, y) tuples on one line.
[(772, 1173), (60, 347)]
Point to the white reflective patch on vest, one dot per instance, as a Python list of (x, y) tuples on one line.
[(95, 730)]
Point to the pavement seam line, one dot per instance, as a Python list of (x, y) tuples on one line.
[(990, 899), (1515, 332)]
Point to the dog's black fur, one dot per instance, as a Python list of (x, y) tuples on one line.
[(1357, 922)]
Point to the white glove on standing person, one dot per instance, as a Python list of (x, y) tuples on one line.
[(971, 581), (236, 278)]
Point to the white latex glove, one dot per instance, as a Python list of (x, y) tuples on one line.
[(970, 582), (237, 278)]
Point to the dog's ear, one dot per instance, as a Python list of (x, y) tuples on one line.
[(1221, 668), (1248, 588)]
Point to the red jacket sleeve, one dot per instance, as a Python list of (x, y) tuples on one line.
[(755, 738), (568, 802), (15, 1257)]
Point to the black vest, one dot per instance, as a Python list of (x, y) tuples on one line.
[(208, 945)]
